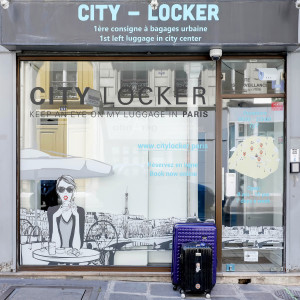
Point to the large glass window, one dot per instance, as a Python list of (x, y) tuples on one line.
[(109, 164)]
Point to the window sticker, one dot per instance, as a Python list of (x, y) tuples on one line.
[(251, 256), (256, 157)]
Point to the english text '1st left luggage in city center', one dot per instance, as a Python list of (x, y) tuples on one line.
[(200, 232), (196, 266)]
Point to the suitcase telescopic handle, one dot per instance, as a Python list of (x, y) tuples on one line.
[(193, 220), (196, 220)]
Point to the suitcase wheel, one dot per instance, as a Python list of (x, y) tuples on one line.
[(174, 287), (207, 296), (182, 293)]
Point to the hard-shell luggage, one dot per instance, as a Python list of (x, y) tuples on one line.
[(196, 266), (205, 232)]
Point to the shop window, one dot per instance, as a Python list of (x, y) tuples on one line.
[(131, 172), (132, 82)]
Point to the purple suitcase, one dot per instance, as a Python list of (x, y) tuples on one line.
[(205, 232)]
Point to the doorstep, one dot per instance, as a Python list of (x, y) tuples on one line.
[(269, 278)]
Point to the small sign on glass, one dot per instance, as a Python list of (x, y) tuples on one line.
[(251, 256)]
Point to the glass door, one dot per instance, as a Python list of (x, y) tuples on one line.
[(253, 165)]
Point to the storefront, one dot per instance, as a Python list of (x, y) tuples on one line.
[(125, 126)]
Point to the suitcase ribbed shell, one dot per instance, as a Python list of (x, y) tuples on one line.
[(193, 281)]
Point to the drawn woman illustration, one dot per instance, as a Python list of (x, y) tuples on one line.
[(66, 221)]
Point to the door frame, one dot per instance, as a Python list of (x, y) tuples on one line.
[(219, 99)]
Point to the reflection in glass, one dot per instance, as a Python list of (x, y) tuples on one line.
[(63, 74), (253, 76)]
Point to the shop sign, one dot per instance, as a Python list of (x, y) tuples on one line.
[(136, 23), (230, 184), (295, 155), (94, 98), (277, 106)]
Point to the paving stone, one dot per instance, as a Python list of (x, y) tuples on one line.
[(287, 293), (98, 294), (131, 287), (100, 297), (3, 287), (259, 296), (56, 282), (119, 296), (33, 293), (167, 298), (194, 296), (274, 287), (251, 287), (223, 289), (291, 287), (157, 289), (224, 298), (202, 296), (97, 287)]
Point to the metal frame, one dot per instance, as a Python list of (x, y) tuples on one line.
[(219, 144), (218, 177)]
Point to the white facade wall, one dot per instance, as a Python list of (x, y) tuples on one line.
[(7, 160), (293, 180)]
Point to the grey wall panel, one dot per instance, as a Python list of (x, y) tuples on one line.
[(7, 160), (293, 181)]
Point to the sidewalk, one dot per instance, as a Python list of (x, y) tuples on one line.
[(49, 289)]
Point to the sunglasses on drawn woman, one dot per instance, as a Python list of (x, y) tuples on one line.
[(62, 189)]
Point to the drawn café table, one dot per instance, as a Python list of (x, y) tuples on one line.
[(65, 256)]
